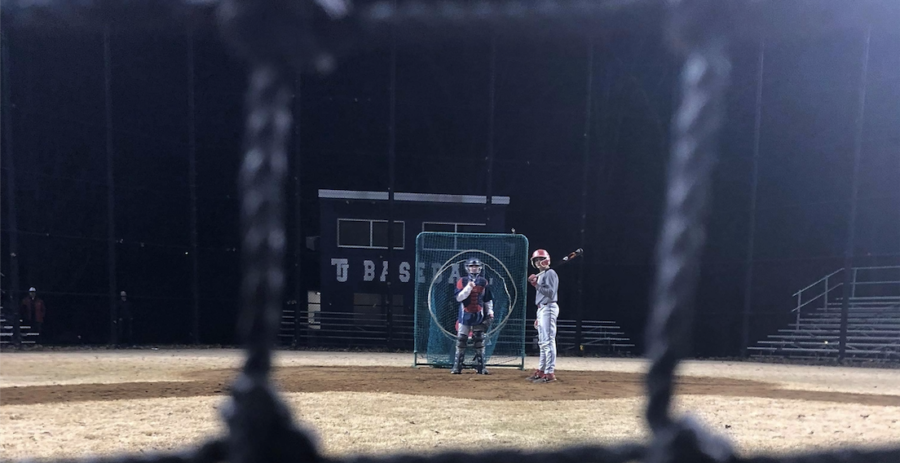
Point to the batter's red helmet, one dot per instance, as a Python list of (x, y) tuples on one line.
[(540, 255)]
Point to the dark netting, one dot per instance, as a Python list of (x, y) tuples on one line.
[(277, 37)]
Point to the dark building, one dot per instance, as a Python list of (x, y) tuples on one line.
[(355, 265)]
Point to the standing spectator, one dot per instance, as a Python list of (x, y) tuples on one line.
[(125, 320), (33, 310)]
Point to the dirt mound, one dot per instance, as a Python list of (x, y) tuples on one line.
[(503, 384)]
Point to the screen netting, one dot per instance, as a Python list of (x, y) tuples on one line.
[(260, 424), (440, 259)]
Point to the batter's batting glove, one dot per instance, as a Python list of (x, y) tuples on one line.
[(533, 280)]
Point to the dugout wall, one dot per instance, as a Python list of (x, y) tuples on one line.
[(355, 265)]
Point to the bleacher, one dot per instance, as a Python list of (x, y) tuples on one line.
[(597, 337), (873, 324), (6, 331), (348, 329)]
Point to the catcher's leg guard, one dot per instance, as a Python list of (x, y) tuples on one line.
[(479, 364), (458, 362), (462, 337), (478, 340)]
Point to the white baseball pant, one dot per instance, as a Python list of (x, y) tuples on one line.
[(546, 318)]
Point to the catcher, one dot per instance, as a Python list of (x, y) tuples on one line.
[(476, 312)]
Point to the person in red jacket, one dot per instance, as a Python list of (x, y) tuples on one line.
[(33, 310)]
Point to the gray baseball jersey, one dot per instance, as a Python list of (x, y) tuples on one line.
[(547, 287)]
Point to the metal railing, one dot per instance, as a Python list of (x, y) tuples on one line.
[(597, 336), (827, 284), (353, 329)]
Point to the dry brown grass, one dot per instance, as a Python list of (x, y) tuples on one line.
[(369, 422)]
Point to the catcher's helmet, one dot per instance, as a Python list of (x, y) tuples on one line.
[(540, 256), (474, 267)]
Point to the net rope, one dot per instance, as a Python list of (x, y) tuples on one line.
[(277, 37)]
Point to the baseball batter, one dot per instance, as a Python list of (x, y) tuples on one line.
[(546, 282)]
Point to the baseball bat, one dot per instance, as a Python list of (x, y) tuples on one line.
[(570, 257)]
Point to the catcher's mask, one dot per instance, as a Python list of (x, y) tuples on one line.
[(474, 267)]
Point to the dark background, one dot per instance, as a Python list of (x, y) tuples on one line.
[(55, 134)]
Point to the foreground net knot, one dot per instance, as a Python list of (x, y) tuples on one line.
[(685, 440), (261, 428), (303, 35), (694, 22)]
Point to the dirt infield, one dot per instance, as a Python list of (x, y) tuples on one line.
[(503, 384), (104, 402)]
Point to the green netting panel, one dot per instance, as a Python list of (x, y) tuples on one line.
[(439, 260)]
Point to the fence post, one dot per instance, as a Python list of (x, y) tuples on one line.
[(854, 193), (489, 159), (192, 173), (579, 310), (388, 295), (110, 189), (302, 296), (754, 188), (11, 217)]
